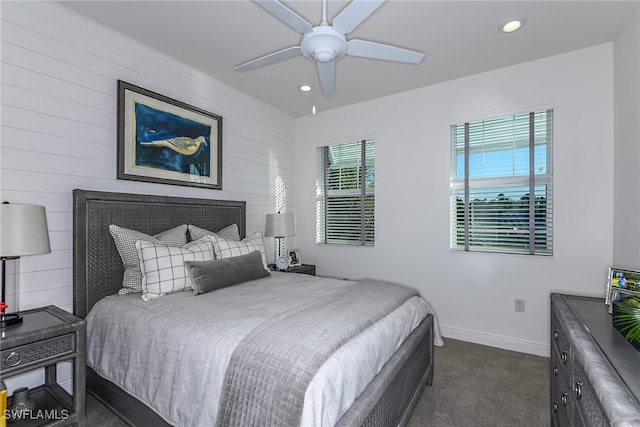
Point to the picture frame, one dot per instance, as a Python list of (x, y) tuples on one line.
[(166, 141), (621, 283), (294, 258)]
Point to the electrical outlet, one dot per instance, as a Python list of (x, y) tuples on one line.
[(520, 305)]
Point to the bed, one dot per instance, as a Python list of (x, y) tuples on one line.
[(388, 399)]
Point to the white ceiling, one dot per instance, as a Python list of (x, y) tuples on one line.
[(459, 38)]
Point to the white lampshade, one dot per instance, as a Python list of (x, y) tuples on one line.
[(23, 230), (279, 225)]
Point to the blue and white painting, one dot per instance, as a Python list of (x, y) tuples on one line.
[(165, 141), (170, 142)]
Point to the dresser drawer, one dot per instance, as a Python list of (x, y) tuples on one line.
[(559, 374), (586, 399), (560, 397), (559, 413), (34, 353), (559, 338)]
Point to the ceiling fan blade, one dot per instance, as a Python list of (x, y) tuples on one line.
[(385, 52), (280, 55), (286, 15), (327, 76), (355, 13)]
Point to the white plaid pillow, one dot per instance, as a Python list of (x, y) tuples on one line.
[(225, 248), (163, 267)]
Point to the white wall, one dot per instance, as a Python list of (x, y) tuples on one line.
[(473, 293), (59, 74), (626, 249)]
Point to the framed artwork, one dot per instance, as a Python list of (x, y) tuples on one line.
[(621, 283), (165, 141), (294, 258)]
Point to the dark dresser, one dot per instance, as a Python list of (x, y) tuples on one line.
[(595, 372)]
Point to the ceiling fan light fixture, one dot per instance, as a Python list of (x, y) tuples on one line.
[(513, 25), (323, 44), (324, 55)]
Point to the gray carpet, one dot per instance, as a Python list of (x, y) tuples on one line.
[(473, 385), (476, 385)]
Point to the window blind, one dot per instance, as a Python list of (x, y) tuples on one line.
[(345, 196), (501, 184)]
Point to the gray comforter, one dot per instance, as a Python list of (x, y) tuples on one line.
[(271, 368), (171, 353)]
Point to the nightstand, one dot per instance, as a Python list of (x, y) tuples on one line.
[(46, 336), (303, 269)]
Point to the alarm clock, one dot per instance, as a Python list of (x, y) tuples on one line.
[(282, 263)]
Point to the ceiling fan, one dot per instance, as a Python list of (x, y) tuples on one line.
[(325, 44)]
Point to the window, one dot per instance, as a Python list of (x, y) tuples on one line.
[(501, 184), (345, 196)]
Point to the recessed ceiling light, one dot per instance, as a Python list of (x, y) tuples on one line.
[(305, 88), (512, 26)]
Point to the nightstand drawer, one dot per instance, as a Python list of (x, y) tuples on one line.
[(25, 355)]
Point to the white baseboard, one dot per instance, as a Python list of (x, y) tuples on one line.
[(495, 341)]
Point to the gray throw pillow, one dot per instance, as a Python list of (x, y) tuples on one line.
[(208, 276)]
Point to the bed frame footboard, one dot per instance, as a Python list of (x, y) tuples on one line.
[(390, 398)]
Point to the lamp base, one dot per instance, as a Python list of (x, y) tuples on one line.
[(9, 319)]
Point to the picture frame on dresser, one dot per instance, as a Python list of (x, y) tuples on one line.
[(621, 283), (166, 141)]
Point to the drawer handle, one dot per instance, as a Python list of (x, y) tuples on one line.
[(555, 335), (564, 399), (14, 359), (555, 406), (563, 356), (578, 390), (555, 371)]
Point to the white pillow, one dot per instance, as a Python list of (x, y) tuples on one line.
[(225, 248), (163, 266)]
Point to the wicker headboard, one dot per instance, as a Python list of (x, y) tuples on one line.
[(97, 267)]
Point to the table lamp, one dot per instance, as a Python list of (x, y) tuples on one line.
[(23, 231), (279, 225)]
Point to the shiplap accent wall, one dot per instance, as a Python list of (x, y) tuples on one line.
[(59, 130)]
